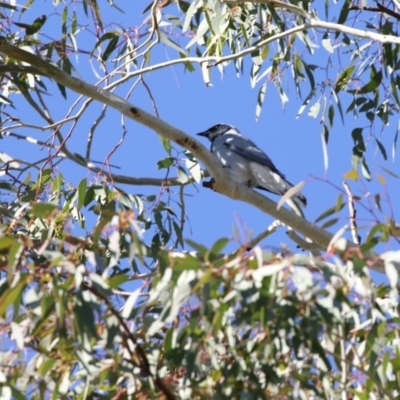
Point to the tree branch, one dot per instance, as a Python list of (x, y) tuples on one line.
[(222, 184), (380, 8), (15, 68)]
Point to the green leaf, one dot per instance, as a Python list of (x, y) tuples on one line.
[(74, 25), (198, 247), (64, 21), (6, 5), (5, 100), (344, 78), (329, 223), (368, 105), (394, 175), (332, 210), (84, 320), (187, 263), (357, 136), (8, 186), (14, 255), (57, 183), (265, 52), (117, 280), (377, 199), (188, 65), (80, 158), (165, 163), (344, 12), (305, 103), (338, 103), (394, 91), (82, 192), (27, 6), (365, 170), (189, 15), (43, 178), (46, 366), (110, 36), (17, 395), (395, 144), (106, 217), (260, 100), (12, 295), (62, 90), (382, 149), (331, 114), (308, 69), (85, 7), (373, 84), (216, 249), (112, 44), (43, 210), (170, 43), (314, 110), (359, 395), (199, 37), (6, 242), (178, 233), (32, 29), (90, 196)]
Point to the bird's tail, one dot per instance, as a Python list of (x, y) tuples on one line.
[(301, 198)]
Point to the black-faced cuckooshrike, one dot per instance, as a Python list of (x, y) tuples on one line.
[(245, 163)]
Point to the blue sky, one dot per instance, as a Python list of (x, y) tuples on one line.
[(184, 101)]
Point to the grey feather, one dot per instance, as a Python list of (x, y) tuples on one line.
[(245, 162)]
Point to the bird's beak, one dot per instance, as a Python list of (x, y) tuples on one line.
[(205, 134)]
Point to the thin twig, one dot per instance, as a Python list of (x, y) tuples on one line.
[(153, 102), (92, 130), (261, 236), (43, 103), (28, 139)]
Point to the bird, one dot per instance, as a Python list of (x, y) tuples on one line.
[(245, 162)]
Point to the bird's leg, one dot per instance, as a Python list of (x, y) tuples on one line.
[(209, 184)]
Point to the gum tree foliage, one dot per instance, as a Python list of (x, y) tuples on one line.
[(122, 310)]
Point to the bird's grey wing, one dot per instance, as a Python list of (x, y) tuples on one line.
[(275, 181), (250, 152)]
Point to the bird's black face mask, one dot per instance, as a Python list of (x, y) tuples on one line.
[(215, 131)]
